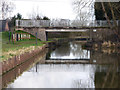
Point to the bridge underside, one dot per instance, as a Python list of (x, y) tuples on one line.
[(90, 61), (66, 30), (42, 33), (84, 61), (74, 28)]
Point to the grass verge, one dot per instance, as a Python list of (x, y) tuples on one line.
[(10, 49)]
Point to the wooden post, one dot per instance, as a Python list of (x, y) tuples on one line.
[(36, 38), (20, 36), (90, 34), (46, 36), (16, 37), (36, 68), (9, 36), (12, 38), (100, 23)]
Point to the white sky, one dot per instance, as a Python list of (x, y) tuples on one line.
[(50, 8)]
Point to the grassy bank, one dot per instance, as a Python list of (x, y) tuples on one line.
[(10, 49)]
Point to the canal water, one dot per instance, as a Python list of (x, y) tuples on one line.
[(71, 66)]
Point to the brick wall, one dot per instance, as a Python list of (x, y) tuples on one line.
[(41, 34)]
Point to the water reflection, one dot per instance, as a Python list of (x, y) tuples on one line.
[(71, 50), (102, 71), (68, 76), (57, 76)]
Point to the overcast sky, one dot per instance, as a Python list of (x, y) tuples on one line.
[(50, 8)]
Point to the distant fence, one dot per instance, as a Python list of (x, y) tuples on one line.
[(64, 23), (21, 36)]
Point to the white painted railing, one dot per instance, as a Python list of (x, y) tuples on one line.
[(63, 23)]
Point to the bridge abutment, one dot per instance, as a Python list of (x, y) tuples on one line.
[(41, 33)]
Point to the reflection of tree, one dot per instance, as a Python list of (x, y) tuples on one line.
[(111, 75), (73, 50), (89, 83), (63, 50), (76, 49), (104, 58), (106, 75), (76, 84), (108, 78)]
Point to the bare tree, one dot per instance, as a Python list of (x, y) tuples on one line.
[(6, 8), (114, 27), (84, 9), (35, 14)]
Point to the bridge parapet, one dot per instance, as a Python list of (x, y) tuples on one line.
[(63, 23), (32, 23)]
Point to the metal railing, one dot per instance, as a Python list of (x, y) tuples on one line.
[(64, 23)]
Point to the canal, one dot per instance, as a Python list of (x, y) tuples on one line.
[(67, 66)]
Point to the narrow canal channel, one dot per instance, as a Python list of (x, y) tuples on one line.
[(71, 66)]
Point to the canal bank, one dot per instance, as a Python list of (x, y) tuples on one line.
[(10, 76), (17, 60), (13, 53)]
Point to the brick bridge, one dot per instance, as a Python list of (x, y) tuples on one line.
[(41, 28)]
